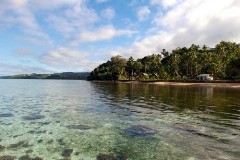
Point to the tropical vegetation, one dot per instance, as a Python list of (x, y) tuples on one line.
[(222, 61)]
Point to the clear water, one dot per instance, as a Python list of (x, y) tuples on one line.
[(55, 119)]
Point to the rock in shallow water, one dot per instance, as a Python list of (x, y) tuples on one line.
[(19, 144), (102, 156), (192, 130), (106, 157), (67, 152), (6, 115), (140, 130), (2, 148), (7, 157), (61, 141), (33, 117), (27, 157), (79, 126)]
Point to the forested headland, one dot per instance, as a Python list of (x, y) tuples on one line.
[(64, 75), (222, 62)]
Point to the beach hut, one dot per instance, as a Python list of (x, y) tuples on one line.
[(205, 77)]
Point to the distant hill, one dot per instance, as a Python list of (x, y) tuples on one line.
[(64, 75)]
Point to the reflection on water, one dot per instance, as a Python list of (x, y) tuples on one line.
[(48, 119)]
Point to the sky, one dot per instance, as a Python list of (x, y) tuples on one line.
[(49, 36)]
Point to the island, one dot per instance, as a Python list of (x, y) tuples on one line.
[(64, 75)]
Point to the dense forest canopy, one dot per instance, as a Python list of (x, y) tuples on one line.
[(223, 62)]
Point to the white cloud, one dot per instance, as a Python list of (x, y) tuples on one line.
[(19, 2), (165, 3), (73, 19), (103, 33), (176, 23), (65, 16), (187, 22), (53, 4), (156, 2), (169, 3), (67, 59), (108, 13), (143, 13), (146, 46), (17, 13), (20, 14), (63, 56)]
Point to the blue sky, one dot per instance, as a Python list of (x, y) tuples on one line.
[(41, 36)]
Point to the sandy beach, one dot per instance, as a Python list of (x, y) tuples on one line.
[(202, 84), (222, 85)]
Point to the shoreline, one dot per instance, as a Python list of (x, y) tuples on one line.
[(205, 84), (218, 84)]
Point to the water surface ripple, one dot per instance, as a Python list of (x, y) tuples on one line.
[(57, 119)]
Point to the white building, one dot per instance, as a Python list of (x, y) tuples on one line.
[(205, 77)]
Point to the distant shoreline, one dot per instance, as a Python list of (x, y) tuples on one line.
[(56, 76)]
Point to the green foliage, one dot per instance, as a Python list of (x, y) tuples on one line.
[(233, 69), (222, 62), (111, 70)]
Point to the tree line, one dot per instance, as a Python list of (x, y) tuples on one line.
[(222, 62)]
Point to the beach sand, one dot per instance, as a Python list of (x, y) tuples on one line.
[(222, 85), (200, 84)]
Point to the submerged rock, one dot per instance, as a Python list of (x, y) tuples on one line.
[(2, 148), (33, 117), (184, 127), (102, 156), (79, 126), (50, 141), (76, 153), (6, 157), (140, 130), (7, 124), (28, 151), (6, 115), (61, 141), (106, 157), (44, 123), (37, 158), (19, 144), (27, 157), (37, 132), (192, 130), (40, 141), (67, 152)]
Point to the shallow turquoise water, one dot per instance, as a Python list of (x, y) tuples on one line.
[(55, 119)]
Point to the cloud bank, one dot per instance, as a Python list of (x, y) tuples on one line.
[(64, 34), (184, 22)]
